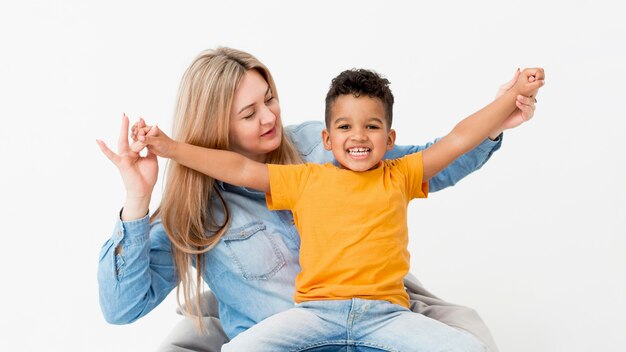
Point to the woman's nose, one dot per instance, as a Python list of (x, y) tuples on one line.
[(267, 116)]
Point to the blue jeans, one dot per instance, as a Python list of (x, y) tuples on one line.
[(352, 325)]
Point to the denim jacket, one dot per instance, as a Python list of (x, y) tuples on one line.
[(252, 269)]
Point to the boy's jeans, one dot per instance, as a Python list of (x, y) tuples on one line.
[(352, 325)]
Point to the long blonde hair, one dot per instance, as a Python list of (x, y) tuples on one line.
[(202, 118)]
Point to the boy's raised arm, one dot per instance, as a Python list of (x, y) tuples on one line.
[(223, 165), (471, 131)]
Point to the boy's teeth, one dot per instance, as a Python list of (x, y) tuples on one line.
[(358, 150)]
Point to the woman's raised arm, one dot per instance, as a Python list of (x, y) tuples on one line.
[(139, 173)]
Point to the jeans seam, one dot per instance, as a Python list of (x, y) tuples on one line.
[(344, 343), (375, 345), (350, 322), (320, 344)]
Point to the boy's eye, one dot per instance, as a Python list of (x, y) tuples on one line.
[(343, 127), (372, 127)]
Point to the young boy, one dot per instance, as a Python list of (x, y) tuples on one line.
[(352, 220)]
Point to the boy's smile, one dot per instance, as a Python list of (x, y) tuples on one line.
[(358, 134)]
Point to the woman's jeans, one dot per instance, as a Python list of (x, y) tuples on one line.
[(352, 325)]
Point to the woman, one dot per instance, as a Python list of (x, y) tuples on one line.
[(246, 254)]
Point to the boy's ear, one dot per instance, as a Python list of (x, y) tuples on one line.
[(391, 139), (326, 139)]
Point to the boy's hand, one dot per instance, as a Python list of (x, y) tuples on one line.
[(142, 134), (530, 80), (525, 106), (134, 130), (155, 140)]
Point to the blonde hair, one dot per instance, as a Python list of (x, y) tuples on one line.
[(202, 118)]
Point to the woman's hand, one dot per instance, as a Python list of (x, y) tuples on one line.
[(525, 107), (139, 173)]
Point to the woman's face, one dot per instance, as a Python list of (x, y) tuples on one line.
[(255, 127)]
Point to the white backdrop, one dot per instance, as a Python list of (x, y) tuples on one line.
[(535, 241)]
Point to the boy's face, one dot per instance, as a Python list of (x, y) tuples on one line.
[(358, 134)]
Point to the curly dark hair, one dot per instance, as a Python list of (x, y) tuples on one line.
[(360, 82)]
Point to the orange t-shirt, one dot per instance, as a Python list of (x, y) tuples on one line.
[(353, 226)]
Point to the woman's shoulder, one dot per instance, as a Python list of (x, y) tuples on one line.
[(311, 129), (307, 137)]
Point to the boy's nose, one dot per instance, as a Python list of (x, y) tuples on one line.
[(358, 136)]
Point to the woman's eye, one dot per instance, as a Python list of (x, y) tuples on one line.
[(269, 100), (248, 117)]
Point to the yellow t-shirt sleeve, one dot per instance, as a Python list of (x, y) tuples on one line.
[(286, 185), (412, 167)]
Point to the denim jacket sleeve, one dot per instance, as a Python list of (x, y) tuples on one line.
[(461, 167), (307, 138), (132, 283)]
